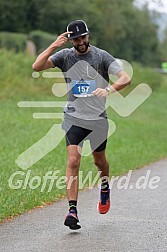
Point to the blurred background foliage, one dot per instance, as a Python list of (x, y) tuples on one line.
[(117, 26)]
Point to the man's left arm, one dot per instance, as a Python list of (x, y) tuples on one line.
[(122, 81)]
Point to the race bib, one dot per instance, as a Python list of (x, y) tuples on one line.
[(83, 88)]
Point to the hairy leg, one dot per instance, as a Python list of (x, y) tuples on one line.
[(72, 169)]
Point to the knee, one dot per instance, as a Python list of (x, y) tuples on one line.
[(73, 162)]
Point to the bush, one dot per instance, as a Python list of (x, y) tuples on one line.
[(14, 41), (41, 39)]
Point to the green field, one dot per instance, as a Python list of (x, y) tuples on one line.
[(139, 139)]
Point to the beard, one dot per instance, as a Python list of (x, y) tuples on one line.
[(83, 48)]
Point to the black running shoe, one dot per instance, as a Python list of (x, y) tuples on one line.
[(72, 221)]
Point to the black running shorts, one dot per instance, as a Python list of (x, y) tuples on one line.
[(96, 133)]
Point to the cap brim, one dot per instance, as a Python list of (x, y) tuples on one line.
[(77, 36)]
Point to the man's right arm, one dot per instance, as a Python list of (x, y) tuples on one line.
[(44, 61)]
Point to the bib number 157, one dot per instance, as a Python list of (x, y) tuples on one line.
[(83, 89)]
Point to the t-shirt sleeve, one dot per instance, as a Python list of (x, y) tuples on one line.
[(58, 59), (110, 63)]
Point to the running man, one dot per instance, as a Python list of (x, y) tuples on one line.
[(84, 115)]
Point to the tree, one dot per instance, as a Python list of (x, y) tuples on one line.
[(18, 16)]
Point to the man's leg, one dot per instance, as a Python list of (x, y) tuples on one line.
[(73, 163), (74, 140), (103, 166), (101, 163)]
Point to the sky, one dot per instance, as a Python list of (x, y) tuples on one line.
[(158, 5)]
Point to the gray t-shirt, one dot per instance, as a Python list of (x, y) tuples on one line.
[(83, 73)]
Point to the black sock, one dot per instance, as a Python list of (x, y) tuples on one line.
[(73, 205), (105, 184)]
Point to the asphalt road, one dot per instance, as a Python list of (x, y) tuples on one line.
[(137, 220)]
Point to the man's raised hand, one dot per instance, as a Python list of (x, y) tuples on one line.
[(61, 40)]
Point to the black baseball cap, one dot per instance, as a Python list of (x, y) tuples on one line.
[(78, 27)]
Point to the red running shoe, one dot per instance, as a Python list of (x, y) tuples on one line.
[(103, 205)]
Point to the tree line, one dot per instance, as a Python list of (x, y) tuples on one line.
[(117, 26)]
